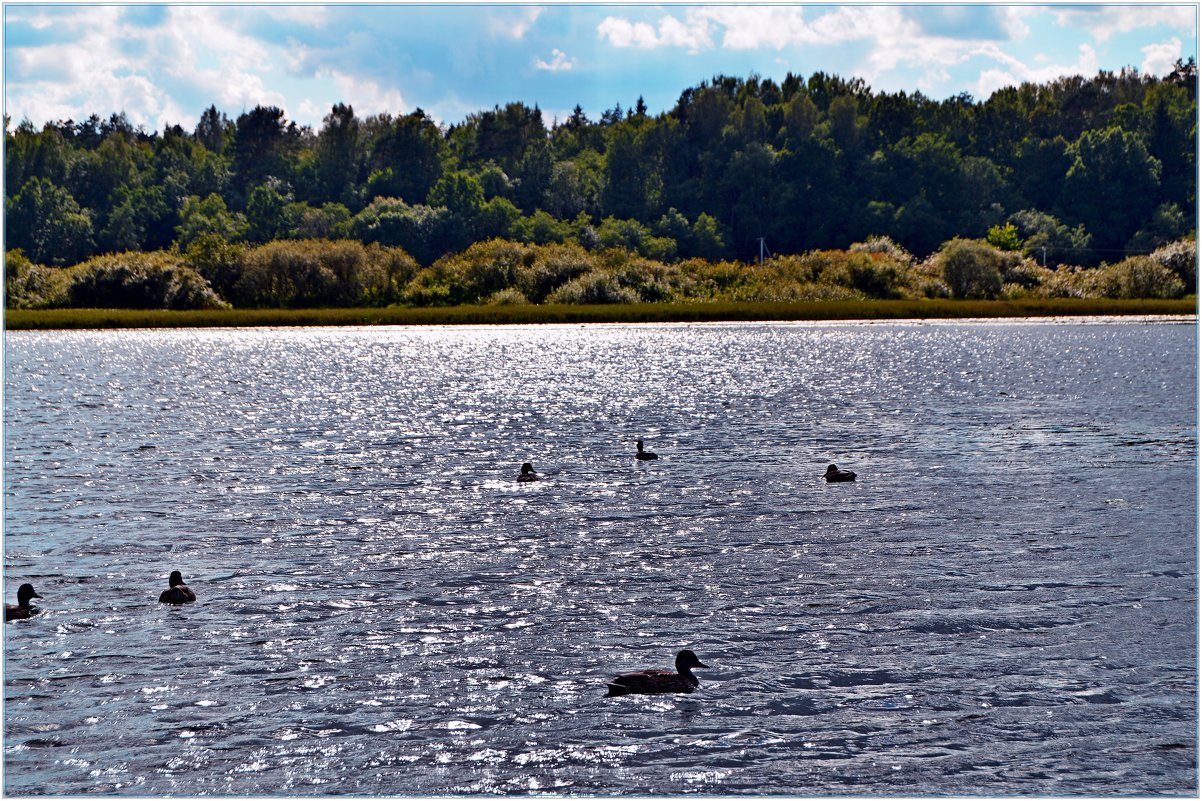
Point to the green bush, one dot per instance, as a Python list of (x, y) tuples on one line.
[(472, 276), (1182, 258), (594, 287), (1139, 277), (553, 266), (140, 281), (318, 272), (1019, 271), (32, 286), (508, 297), (886, 246), (217, 261), (971, 268), (652, 280), (876, 276)]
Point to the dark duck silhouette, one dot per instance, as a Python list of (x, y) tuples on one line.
[(178, 592), (642, 454), (527, 473), (22, 609), (647, 682), (833, 474)]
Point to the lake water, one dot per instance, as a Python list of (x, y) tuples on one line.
[(1005, 601)]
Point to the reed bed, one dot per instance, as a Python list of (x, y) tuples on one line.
[(526, 314)]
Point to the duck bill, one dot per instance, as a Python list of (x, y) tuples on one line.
[(701, 664)]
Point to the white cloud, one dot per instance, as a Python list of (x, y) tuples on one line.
[(1104, 22), (1159, 59), (197, 45), (622, 33), (310, 110), (858, 23), (367, 97), (754, 27), (559, 61), (107, 67), (692, 34), (993, 79), (313, 16), (511, 25), (1014, 71), (1014, 21), (891, 37), (751, 27)]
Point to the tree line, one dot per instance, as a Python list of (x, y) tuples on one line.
[(1077, 171)]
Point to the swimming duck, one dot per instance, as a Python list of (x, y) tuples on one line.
[(22, 610), (835, 474), (178, 592), (642, 454), (528, 473), (645, 682)]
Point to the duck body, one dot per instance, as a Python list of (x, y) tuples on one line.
[(22, 609), (643, 455), (651, 682), (834, 474), (528, 473), (177, 592)]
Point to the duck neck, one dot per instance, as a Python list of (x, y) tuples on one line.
[(688, 676)]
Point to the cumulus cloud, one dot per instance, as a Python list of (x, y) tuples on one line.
[(107, 60), (930, 40), (367, 97), (164, 64), (96, 66), (692, 34), (1014, 71), (755, 27), (1104, 22), (992, 80), (1160, 59), (559, 61), (751, 27)]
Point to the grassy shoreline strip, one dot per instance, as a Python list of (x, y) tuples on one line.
[(26, 320)]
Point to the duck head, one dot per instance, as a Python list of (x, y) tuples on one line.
[(26, 592), (176, 578), (527, 468), (686, 659)]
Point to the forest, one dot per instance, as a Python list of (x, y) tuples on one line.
[(745, 188)]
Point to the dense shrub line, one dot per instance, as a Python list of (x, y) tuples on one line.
[(316, 273)]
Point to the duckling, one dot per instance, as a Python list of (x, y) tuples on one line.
[(642, 454), (178, 592), (833, 474), (22, 609), (527, 473), (646, 682)]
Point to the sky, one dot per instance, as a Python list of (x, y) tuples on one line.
[(165, 64)]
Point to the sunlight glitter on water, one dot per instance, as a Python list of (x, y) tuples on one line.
[(384, 610)]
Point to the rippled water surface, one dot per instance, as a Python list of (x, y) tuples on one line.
[(1005, 602)]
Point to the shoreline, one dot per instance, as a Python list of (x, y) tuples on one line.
[(813, 311)]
